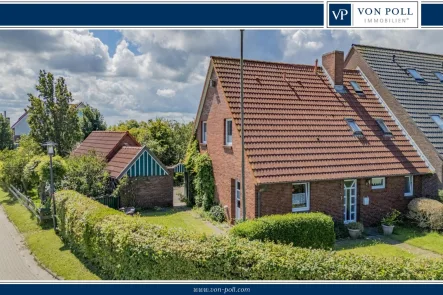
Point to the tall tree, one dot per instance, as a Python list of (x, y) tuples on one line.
[(91, 120), (5, 133), (51, 115)]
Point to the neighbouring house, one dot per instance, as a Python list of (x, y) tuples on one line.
[(411, 86), (316, 139), (152, 181), (21, 126)]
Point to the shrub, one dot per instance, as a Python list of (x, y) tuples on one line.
[(391, 218), (355, 225), (305, 230), (124, 247), (440, 195), (217, 213), (204, 181), (427, 213), (340, 229)]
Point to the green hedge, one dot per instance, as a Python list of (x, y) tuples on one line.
[(124, 247), (307, 230)]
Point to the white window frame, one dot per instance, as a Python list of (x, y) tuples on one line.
[(411, 186), (308, 197), (226, 132), (204, 131), (382, 186)]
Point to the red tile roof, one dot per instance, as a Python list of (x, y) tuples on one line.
[(105, 143), (295, 128), (122, 159)]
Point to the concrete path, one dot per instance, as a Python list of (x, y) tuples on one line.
[(16, 262)]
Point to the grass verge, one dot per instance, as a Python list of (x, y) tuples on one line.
[(371, 247), (42, 241), (428, 240)]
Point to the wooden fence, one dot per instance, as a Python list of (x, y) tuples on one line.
[(28, 203), (110, 201)]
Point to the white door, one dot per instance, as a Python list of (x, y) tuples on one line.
[(350, 201), (237, 200)]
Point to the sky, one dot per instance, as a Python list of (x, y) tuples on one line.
[(144, 74)]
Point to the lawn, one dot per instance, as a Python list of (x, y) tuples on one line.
[(432, 241), (42, 241), (180, 218), (371, 247)]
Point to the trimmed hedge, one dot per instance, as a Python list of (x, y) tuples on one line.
[(427, 213), (124, 247), (306, 230)]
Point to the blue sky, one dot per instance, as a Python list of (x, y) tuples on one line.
[(143, 74)]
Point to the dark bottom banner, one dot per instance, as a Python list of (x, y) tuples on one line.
[(225, 288)]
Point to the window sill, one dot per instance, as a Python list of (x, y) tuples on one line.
[(203, 145), (300, 210), (228, 147)]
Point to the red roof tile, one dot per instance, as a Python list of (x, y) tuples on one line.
[(105, 143), (295, 129), (122, 159)]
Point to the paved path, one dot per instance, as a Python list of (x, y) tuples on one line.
[(419, 252), (16, 263)]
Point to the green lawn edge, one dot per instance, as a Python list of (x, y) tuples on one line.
[(44, 244)]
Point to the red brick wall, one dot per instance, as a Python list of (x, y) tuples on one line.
[(333, 63), (226, 161), (327, 197)]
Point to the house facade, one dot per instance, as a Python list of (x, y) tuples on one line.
[(152, 182), (21, 126), (411, 85), (316, 139)]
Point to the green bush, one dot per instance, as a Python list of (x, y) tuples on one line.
[(307, 230), (204, 182), (427, 213), (217, 213), (124, 248), (440, 195)]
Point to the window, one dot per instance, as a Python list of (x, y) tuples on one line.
[(357, 131), (378, 182), (416, 75), (228, 133), (383, 127), (300, 197), (439, 75), (437, 119), (204, 129), (409, 185), (356, 87)]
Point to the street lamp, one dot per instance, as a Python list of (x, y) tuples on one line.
[(50, 146)]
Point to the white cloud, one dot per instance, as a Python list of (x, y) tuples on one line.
[(166, 92)]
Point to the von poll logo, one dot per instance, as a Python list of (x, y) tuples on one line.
[(340, 14)]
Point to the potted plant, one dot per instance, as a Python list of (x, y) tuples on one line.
[(388, 222), (355, 229)]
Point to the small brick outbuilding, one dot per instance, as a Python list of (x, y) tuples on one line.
[(152, 182), (316, 139)]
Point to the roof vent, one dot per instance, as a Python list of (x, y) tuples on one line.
[(212, 83)]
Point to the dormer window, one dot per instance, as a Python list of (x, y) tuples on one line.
[(354, 127), (439, 75), (383, 127), (416, 75), (356, 87), (437, 119)]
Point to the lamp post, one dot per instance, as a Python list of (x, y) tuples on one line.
[(50, 146)]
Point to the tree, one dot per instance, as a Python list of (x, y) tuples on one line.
[(181, 136), (91, 120), (51, 115), (5, 133)]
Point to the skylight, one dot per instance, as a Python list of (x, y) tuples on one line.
[(439, 76), (437, 119), (356, 87), (357, 131), (383, 127), (416, 75)]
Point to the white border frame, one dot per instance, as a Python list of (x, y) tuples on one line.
[(226, 132), (411, 186), (308, 198)]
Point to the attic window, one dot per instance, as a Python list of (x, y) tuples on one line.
[(437, 119), (439, 75), (383, 127), (416, 75), (356, 87), (357, 131), (212, 83)]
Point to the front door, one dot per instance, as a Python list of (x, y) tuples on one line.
[(237, 200), (350, 201)]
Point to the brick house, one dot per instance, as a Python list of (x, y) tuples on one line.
[(411, 86), (152, 181), (316, 139)]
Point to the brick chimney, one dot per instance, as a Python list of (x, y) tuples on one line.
[(333, 62)]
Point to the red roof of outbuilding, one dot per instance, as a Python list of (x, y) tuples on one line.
[(122, 159), (295, 128), (105, 143)]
